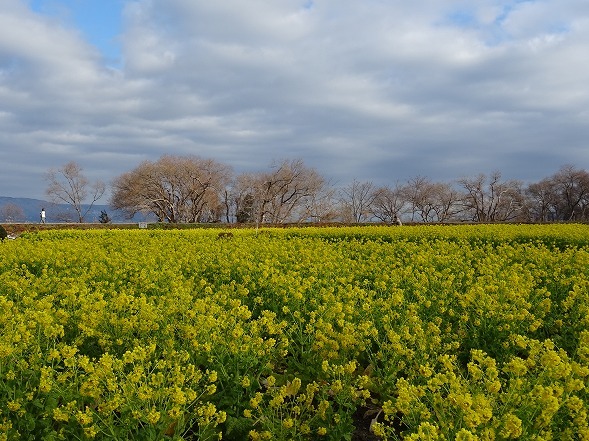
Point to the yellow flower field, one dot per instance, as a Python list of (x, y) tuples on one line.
[(432, 332)]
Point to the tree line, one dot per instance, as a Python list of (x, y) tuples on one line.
[(191, 189)]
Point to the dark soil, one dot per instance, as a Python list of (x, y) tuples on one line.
[(362, 419)]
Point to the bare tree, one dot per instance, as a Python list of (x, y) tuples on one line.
[(388, 203), (12, 213), (322, 206), (491, 199), (570, 187), (174, 188), (286, 193), (68, 185), (429, 201), (542, 201), (241, 199), (417, 193), (445, 202), (227, 203), (356, 201)]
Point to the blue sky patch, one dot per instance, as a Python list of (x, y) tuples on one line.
[(462, 18), (99, 21)]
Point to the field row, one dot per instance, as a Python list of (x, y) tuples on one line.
[(457, 332)]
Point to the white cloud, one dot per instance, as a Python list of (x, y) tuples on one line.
[(390, 88)]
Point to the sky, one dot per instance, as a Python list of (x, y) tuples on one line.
[(372, 90)]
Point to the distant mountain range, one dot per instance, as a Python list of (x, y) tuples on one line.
[(28, 210)]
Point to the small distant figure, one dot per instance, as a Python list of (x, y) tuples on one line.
[(397, 220), (42, 215)]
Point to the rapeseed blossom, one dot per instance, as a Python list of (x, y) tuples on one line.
[(446, 332)]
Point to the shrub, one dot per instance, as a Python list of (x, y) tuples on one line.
[(3, 233)]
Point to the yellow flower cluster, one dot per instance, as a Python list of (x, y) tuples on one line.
[(433, 332)]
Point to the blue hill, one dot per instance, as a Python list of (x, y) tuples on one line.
[(28, 210)]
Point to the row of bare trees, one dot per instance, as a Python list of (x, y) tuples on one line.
[(179, 189), (563, 196), (191, 189)]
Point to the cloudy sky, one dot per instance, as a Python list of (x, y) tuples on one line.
[(379, 90)]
